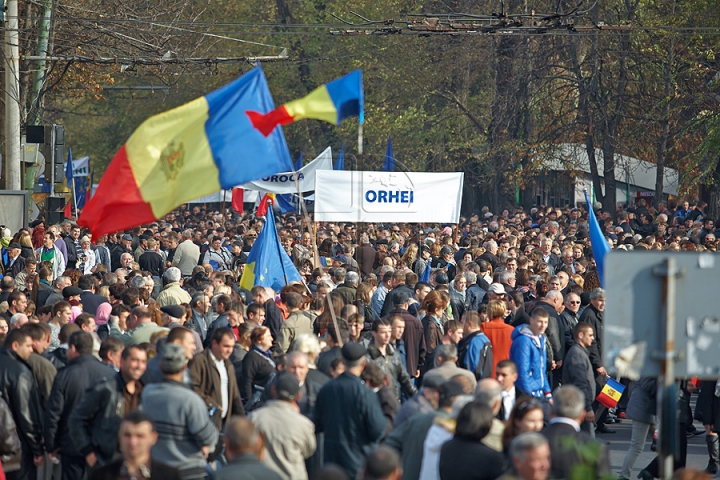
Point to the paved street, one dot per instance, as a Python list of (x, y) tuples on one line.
[(620, 442)]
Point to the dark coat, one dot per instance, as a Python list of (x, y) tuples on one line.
[(57, 357), (68, 389), (95, 421), (389, 404), (158, 471), (493, 260), (465, 460), (18, 389), (366, 258), (17, 267), (414, 339), (44, 292), (90, 301), (273, 318), (348, 291), (326, 358), (433, 337), (556, 332), (314, 381), (206, 383), (246, 466), (349, 414), (577, 370), (256, 371), (458, 304), (10, 446), (392, 297), (519, 393), (562, 438), (475, 296), (409, 439), (71, 252), (594, 317), (642, 405), (392, 367)]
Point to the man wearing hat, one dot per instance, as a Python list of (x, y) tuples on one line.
[(173, 293), (86, 259), (289, 435), (123, 246), (15, 262), (186, 433), (349, 414)]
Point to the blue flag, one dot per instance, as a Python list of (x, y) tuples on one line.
[(299, 162), (268, 264), (340, 162), (598, 242), (285, 203), (425, 277), (69, 167), (389, 163)]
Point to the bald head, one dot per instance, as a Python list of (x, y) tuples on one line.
[(489, 392)]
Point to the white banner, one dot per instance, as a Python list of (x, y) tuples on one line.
[(388, 196), (285, 182), (81, 167)]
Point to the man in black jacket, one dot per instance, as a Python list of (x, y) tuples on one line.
[(18, 388), (137, 436), (124, 246), (82, 371), (579, 372), (400, 290), (593, 315), (384, 356), (90, 301), (565, 438), (273, 316), (95, 421)]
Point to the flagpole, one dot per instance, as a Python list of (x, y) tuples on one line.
[(222, 208), (72, 187)]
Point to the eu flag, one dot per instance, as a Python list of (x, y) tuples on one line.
[(598, 242), (389, 163), (268, 264)]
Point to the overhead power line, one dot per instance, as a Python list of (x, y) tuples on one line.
[(158, 60)]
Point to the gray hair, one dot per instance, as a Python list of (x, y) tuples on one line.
[(554, 224), (568, 402), (471, 277), (597, 293), (552, 294), (526, 442), (307, 344), (187, 233), (447, 352), (297, 354), (505, 275), (352, 277), (489, 392), (61, 280), (491, 244), (384, 270), (173, 274), (15, 319), (536, 278), (546, 240)]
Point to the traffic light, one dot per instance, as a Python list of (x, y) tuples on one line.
[(54, 153)]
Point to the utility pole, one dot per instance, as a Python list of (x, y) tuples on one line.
[(12, 97), (34, 115)]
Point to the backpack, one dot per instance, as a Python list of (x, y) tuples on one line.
[(483, 369)]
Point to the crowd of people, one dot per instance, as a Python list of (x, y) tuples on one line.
[(409, 351)]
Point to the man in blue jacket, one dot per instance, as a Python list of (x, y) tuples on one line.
[(529, 352)]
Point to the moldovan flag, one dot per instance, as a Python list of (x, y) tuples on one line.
[(268, 264), (611, 393), (185, 153), (238, 197), (332, 102)]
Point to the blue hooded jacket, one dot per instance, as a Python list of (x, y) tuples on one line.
[(530, 355)]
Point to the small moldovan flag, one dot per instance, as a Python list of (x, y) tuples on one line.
[(611, 393)]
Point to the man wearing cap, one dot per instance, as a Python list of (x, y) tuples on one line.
[(187, 254), (173, 293), (349, 414), (15, 262), (297, 323), (289, 435), (123, 246), (186, 433)]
